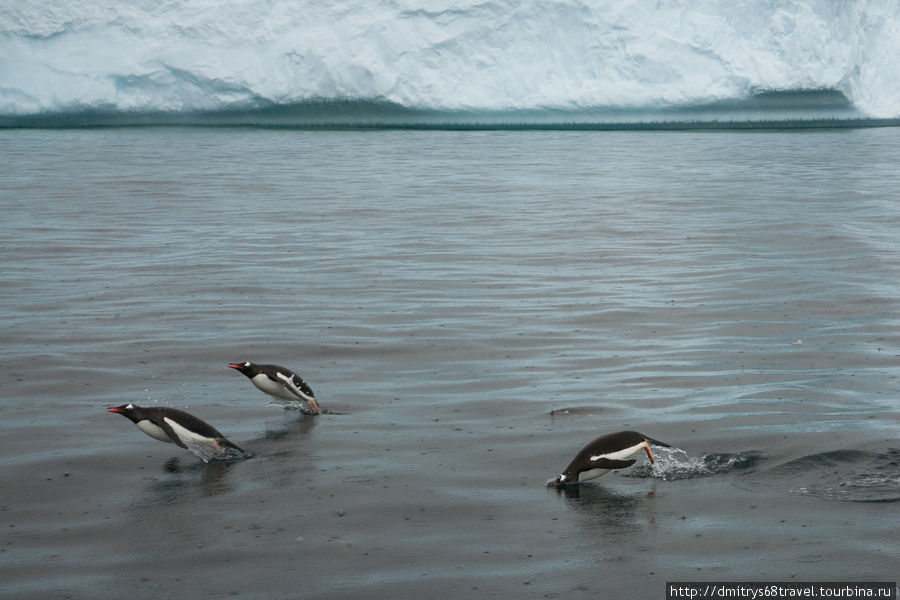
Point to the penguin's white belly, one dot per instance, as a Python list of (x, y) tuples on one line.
[(273, 388), (153, 430)]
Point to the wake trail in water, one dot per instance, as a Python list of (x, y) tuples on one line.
[(848, 475), (674, 464), (845, 475)]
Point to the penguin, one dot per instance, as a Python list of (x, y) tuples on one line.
[(604, 454), (178, 427), (280, 383)]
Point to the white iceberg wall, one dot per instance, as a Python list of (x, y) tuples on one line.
[(58, 55)]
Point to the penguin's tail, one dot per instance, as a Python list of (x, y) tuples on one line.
[(657, 442)]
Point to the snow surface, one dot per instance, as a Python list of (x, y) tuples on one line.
[(183, 55)]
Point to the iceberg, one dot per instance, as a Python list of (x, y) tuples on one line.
[(493, 61)]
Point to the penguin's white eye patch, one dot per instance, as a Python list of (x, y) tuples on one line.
[(129, 407), (246, 364)]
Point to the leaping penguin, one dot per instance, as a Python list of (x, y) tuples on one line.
[(282, 383), (604, 454), (178, 427)]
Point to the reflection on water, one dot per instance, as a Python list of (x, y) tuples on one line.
[(609, 511), (300, 424), (181, 482)]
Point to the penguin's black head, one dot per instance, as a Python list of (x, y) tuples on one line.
[(244, 367), (126, 410)]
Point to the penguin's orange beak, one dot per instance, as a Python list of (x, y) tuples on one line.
[(235, 366), (115, 409)]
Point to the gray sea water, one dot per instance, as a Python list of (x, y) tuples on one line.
[(472, 307)]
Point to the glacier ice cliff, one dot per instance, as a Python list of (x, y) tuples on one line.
[(183, 56)]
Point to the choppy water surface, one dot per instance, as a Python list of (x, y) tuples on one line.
[(733, 294)]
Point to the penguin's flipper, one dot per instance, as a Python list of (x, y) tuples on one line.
[(296, 386), (165, 426)]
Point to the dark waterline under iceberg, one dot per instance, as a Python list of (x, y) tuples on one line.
[(765, 110)]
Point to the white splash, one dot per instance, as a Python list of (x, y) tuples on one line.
[(674, 463), (207, 452)]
